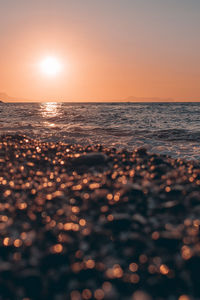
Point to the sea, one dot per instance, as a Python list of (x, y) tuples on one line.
[(166, 128)]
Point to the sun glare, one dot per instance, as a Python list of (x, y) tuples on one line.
[(51, 66)]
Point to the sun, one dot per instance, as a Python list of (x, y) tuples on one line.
[(50, 66)]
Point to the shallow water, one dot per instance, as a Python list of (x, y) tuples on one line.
[(168, 128)]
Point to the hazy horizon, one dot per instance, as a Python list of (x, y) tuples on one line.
[(8, 99), (107, 49)]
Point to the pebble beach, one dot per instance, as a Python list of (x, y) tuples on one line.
[(95, 222)]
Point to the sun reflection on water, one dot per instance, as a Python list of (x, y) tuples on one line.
[(50, 109)]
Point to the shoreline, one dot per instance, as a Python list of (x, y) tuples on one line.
[(90, 222)]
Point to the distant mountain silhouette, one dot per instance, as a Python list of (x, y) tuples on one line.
[(146, 99), (6, 98)]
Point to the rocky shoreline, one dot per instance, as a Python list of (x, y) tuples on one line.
[(97, 223)]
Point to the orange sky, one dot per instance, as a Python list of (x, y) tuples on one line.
[(110, 49)]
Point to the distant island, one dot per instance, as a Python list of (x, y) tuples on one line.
[(147, 99)]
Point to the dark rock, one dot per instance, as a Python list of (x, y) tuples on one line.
[(141, 151), (90, 159)]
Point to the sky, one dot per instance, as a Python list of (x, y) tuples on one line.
[(109, 49)]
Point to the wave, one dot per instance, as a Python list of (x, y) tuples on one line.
[(167, 135), (176, 135), (173, 135)]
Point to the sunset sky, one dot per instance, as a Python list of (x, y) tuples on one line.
[(107, 49)]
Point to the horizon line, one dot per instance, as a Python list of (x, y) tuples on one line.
[(98, 101)]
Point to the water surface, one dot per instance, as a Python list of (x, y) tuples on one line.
[(169, 128)]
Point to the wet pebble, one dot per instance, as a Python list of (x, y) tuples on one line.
[(92, 222)]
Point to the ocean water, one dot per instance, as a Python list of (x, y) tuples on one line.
[(168, 128)]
